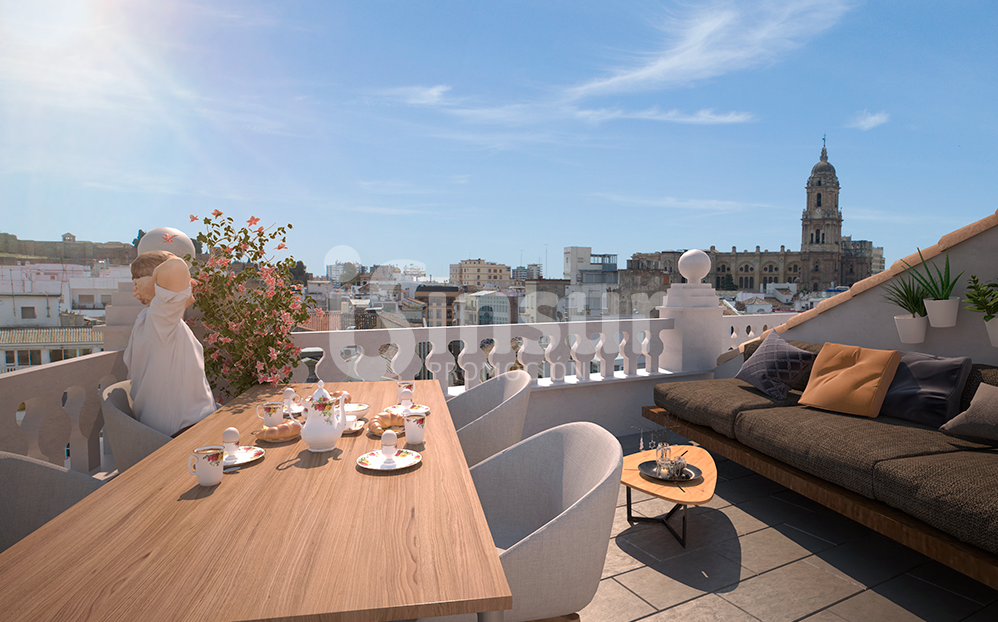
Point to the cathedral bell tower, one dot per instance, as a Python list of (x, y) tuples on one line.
[(821, 228)]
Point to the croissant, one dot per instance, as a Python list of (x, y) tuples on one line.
[(384, 420), (285, 430)]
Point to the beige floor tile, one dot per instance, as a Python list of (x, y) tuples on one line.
[(869, 561), (707, 608), (622, 557), (770, 548), (684, 578), (789, 592), (614, 603)]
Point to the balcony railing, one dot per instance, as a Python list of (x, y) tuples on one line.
[(62, 400)]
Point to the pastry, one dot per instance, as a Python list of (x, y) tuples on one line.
[(289, 429), (384, 420)]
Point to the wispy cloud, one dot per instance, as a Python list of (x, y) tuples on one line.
[(701, 117), (700, 205), (723, 37), (866, 121), (417, 95)]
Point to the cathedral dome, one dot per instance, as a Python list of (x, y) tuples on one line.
[(823, 170)]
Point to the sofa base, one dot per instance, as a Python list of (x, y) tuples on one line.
[(931, 542)]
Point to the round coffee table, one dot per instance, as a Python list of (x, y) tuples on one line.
[(683, 494)]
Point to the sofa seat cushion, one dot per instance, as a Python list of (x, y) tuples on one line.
[(714, 403), (842, 449), (955, 493)]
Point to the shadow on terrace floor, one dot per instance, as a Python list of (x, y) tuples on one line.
[(760, 552)]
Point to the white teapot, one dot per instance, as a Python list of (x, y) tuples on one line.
[(325, 420)]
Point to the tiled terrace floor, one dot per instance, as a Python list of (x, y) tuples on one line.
[(759, 551)]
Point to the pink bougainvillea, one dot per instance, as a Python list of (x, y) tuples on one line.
[(248, 305)]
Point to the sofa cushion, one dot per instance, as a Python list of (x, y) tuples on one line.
[(801, 383), (775, 366), (981, 419), (979, 374), (850, 379), (714, 403), (956, 493), (926, 389), (841, 449)]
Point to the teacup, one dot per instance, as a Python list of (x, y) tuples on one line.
[(273, 413), (206, 463), (415, 429)]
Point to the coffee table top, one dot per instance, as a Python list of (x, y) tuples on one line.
[(696, 492)]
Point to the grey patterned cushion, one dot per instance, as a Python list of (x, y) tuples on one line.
[(954, 492), (981, 419), (714, 403), (775, 366), (842, 449)]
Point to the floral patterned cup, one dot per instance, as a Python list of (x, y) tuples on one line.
[(273, 413), (206, 463), (415, 428)]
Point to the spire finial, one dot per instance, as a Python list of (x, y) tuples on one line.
[(824, 151)]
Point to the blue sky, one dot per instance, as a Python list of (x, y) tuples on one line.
[(435, 131)]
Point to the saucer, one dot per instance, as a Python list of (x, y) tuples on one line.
[(374, 461), (279, 440), (416, 409), (296, 409), (358, 426), (243, 455)]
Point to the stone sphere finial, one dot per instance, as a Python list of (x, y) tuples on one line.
[(694, 265), (166, 239)]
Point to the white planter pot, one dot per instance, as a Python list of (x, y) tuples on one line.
[(992, 325), (942, 313), (911, 329)]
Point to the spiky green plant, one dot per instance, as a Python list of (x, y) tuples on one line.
[(907, 294), (938, 286)]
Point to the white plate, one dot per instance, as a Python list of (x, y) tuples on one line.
[(296, 409), (280, 440), (243, 455), (416, 409), (374, 461)]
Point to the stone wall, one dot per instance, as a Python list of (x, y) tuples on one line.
[(83, 253)]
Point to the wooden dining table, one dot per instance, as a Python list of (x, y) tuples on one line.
[(294, 535)]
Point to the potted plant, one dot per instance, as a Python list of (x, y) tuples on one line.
[(940, 305), (910, 296), (983, 298)]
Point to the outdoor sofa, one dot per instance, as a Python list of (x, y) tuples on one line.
[(934, 491)]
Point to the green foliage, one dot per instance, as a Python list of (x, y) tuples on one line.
[(907, 294), (248, 314), (938, 286), (728, 283), (138, 238), (983, 298)]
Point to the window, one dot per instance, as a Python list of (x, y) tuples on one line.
[(27, 313), (9, 355), (29, 357), (819, 199), (105, 299), (86, 299), (55, 355)]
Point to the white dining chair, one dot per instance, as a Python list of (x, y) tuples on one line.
[(490, 416), (549, 501), (131, 440), (34, 492)]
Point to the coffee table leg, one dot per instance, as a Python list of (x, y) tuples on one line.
[(659, 519), (490, 616)]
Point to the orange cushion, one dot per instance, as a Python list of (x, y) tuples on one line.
[(850, 379)]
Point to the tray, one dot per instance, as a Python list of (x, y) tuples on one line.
[(650, 468)]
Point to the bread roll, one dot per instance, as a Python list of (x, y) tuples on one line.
[(336, 395), (289, 429)]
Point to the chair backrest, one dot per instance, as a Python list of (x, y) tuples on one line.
[(131, 440), (35, 492), (550, 502), (490, 416)]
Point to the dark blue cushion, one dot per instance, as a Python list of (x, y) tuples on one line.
[(926, 389)]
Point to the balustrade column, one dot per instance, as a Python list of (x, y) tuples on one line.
[(696, 339)]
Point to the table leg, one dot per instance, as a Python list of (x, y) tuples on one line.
[(659, 519), (490, 616)]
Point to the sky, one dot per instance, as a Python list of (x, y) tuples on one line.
[(429, 132)]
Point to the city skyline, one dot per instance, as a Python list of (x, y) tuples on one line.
[(430, 133)]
